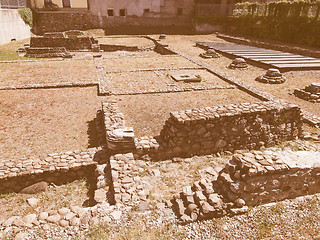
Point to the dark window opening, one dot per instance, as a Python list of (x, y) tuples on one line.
[(179, 11), (146, 10), (110, 13), (66, 3), (122, 12)]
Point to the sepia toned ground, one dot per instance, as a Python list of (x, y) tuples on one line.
[(42, 121), (148, 113)]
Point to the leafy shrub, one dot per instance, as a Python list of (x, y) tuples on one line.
[(294, 22), (26, 15)]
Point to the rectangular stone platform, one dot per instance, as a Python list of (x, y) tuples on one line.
[(269, 58)]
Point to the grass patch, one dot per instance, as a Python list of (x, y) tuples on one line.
[(8, 51), (136, 229)]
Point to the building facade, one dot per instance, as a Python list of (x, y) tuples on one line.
[(115, 16)]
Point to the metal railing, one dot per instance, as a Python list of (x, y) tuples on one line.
[(212, 9), (12, 4)]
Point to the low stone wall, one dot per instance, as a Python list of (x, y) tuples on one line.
[(113, 118), (70, 43), (113, 48), (214, 129), (57, 168), (249, 179), (231, 127), (160, 47), (308, 96)]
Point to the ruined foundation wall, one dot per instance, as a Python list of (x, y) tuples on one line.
[(249, 179), (74, 43), (56, 168), (231, 127)]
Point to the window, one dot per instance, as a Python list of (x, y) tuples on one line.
[(110, 13), (66, 3), (146, 10), (122, 12), (179, 11)]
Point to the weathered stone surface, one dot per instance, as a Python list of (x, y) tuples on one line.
[(75, 221), (43, 216), (35, 188), (286, 174), (54, 218), (63, 223), (116, 215), (63, 211), (33, 202), (238, 63), (272, 76)]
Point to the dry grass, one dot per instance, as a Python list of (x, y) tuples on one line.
[(125, 41), (47, 72), (36, 122), (143, 63), (54, 198), (147, 113)]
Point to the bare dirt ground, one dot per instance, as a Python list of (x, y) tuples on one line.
[(36, 122), (154, 80), (144, 63), (295, 79), (47, 72), (148, 113)]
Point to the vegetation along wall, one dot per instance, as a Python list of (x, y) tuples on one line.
[(293, 22)]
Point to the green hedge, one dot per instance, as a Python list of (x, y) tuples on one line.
[(26, 15), (294, 22)]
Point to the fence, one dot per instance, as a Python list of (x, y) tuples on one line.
[(12, 4)]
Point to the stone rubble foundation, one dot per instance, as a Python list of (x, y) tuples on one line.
[(249, 179)]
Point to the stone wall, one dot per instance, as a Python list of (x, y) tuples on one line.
[(249, 179), (72, 43), (63, 21), (57, 168), (231, 127), (213, 129)]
